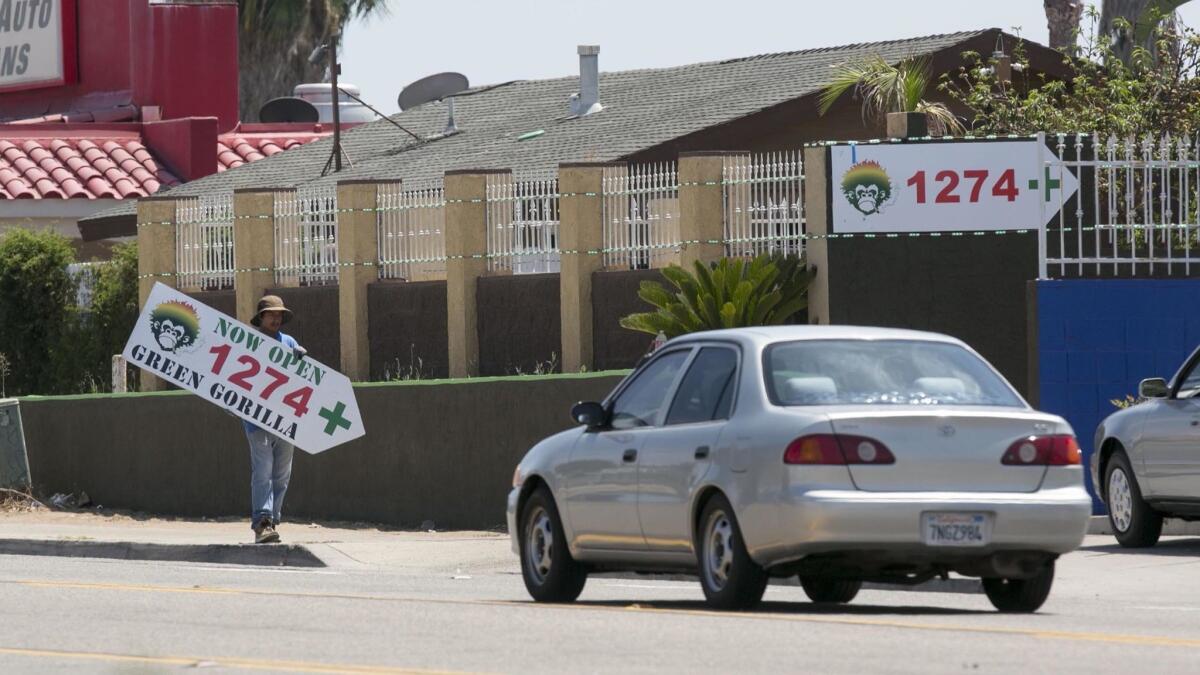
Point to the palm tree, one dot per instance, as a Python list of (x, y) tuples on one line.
[(1062, 18), (1133, 23), (887, 88), (276, 37)]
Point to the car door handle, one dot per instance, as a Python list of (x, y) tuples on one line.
[(1196, 423), (702, 452), (630, 455)]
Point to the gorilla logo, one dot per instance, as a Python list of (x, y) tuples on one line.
[(175, 325), (867, 187)]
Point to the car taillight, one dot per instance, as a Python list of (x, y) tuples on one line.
[(1057, 450), (837, 449)]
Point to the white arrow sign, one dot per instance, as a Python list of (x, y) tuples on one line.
[(938, 187), (243, 371)]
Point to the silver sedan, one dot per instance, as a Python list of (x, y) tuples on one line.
[(1147, 461), (838, 454)]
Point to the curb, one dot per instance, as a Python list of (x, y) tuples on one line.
[(1172, 527), (271, 555)]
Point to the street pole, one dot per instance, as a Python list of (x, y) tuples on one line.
[(334, 71)]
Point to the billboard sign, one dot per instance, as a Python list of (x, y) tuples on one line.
[(37, 43)]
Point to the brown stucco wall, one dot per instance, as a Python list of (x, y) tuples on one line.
[(614, 295), (440, 451), (520, 327), (407, 329)]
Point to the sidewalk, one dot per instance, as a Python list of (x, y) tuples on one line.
[(228, 540)]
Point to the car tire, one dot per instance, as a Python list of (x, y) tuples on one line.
[(549, 571), (729, 576), (1020, 595), (827, 590), (1134, 523)]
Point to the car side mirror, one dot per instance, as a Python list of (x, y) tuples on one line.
[(1154, 387), (590, 413)]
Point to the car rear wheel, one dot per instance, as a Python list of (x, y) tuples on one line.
[(730, 578), (1020, 595), (1134, 523), (824, 589), (550, 573)]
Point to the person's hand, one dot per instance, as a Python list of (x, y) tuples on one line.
[(299, 352)]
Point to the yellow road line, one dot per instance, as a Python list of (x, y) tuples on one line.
[(227, 662), (1076, 636)]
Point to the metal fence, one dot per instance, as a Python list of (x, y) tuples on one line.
[(204, 242), (306, 251), (522, 222), (641, 215), (1135, 212), (764, 203), (411, 218)]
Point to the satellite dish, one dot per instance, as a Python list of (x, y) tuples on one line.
[(288, 109), (432, 88)]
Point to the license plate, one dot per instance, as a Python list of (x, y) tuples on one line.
[(956, 529)]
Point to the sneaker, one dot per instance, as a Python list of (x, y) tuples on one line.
[(264, 532)]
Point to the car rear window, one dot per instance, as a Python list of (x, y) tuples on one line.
[(883, 372)]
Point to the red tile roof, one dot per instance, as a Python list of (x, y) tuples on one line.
[(111, 165), (238, 148)]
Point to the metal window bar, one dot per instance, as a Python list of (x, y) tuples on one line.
[(640, 206), (522, 222), (411, 218), (306, 237), (204, 242), (1136, 209), (763, 198)]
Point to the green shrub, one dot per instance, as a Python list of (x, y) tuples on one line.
[(113, 311), (770, 290), (37, 315)]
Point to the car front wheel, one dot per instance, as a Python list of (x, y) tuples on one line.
[(1020, 595), (550, 573), (824, 589), (1134, 523), (730, 578)]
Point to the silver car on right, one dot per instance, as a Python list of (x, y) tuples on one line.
[(1146, 465)]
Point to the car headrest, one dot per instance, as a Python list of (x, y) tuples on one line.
[(940, 386), (809, 389)]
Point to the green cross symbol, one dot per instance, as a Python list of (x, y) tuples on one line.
[(1051, 184), (335, 418)]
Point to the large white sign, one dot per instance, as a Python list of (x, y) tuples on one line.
[(938, 187), (36, 43), (235, 367)]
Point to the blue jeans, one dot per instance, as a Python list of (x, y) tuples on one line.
[(270, 471)]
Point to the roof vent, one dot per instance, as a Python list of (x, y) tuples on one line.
[(587, 101), (320, 95)]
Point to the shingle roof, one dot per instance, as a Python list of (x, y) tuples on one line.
[(642, 109)]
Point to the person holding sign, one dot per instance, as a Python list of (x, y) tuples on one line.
[(270, 455)]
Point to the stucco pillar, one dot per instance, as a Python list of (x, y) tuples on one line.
[(156, 222), (358, 252), (816, 218), (466, 246), (253, 247), (701, 207), (580, 239)]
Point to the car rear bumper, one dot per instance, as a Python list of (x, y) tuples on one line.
[(830, 521)]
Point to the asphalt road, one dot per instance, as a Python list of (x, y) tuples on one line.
[(1111, 611)]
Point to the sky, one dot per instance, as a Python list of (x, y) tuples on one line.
[(501, 40)]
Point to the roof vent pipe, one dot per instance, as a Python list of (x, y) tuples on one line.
[(587, 101)]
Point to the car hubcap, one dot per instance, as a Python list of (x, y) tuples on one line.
[(719, 553), (539, 542), (1120, 500)]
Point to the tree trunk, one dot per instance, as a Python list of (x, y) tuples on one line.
[(1143, 17), (1062, 17)]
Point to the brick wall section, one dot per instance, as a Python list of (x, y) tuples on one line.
[(614, 295), (314, 321), (407, 329), (520, 326), (1097, 338)]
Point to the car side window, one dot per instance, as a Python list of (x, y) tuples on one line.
[(1190, 387), (639, 404), (706, 392)]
